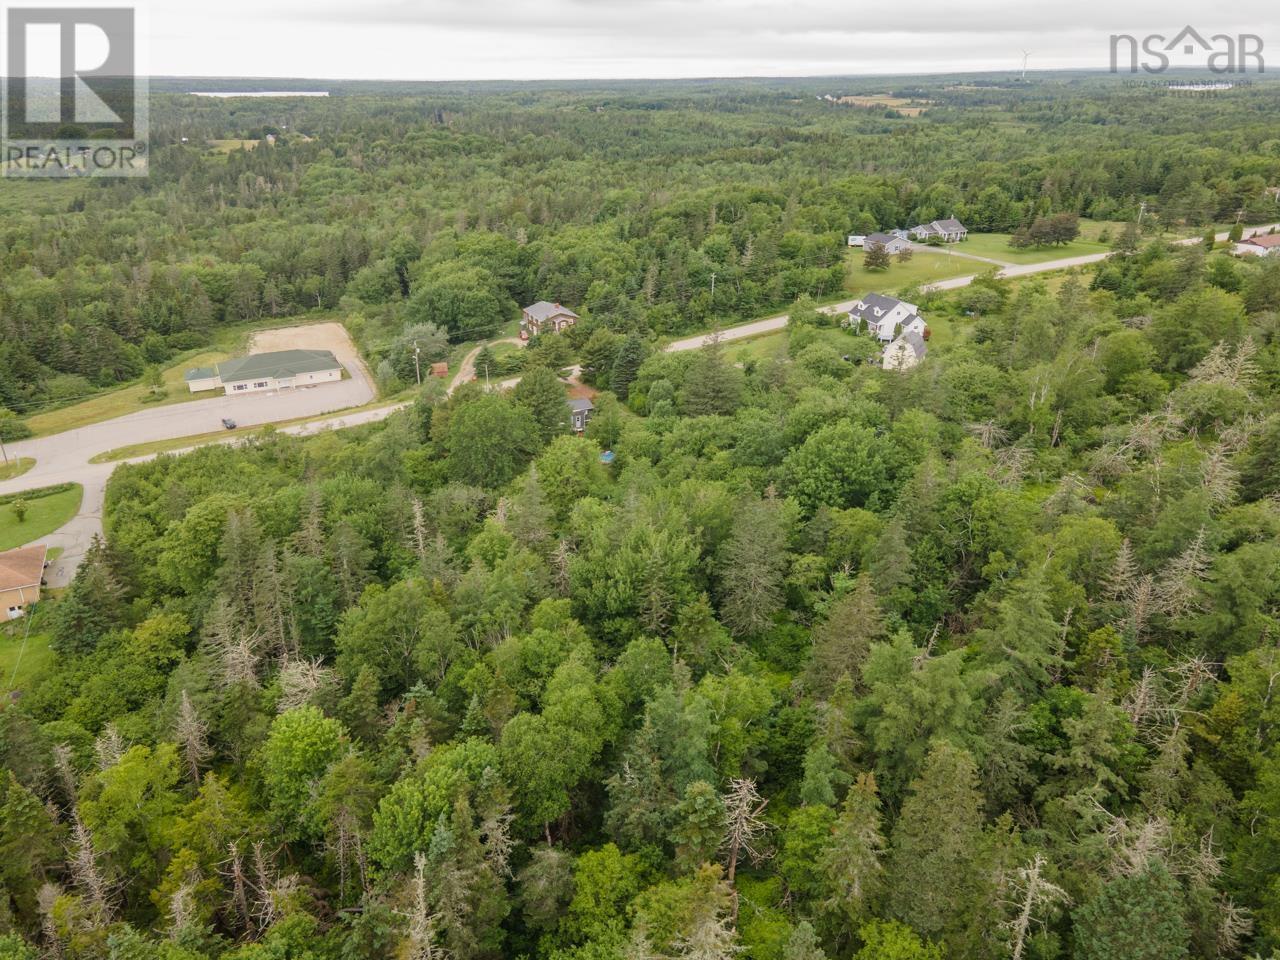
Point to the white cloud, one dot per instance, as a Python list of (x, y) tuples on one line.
[(530, 39)]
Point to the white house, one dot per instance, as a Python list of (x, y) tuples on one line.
[(282, 370), (905, 352), (1260, 246), (889, 242), (857, 239), (950, 230), (885, 318)]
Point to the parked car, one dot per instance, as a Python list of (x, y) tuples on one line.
[(228, 423)]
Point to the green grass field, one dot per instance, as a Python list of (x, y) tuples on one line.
[(44, 515), (19, 662), (996, 246), (16, 468), (921, 268), (126, 400)]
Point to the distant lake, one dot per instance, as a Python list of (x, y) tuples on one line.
[(260, 93)]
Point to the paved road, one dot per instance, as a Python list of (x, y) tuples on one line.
[(64, 457), (770, 324)]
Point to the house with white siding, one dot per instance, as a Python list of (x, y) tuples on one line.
[(282, 370), (885, 318)]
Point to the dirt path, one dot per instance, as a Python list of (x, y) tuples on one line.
[(467, 369)]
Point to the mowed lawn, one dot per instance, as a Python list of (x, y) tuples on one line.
[(44, 515), (15, 468), (19, 662), (920, 269), (996, 246)]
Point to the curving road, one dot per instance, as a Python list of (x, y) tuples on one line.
[(65, 457)]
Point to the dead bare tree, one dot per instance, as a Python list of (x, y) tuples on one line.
[(418, 531), (560, 559), (192, 735), (1177, 591), (743, 828), (182, 908), (83, 864), (1033, 898), (109, 747), (422, 922), (989, 433), (46, 899), (495, 829), (1218, 477), (233, 869), (301, 681), (1234, 925)]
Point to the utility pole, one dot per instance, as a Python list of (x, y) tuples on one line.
[(417, 365), (2, 451), (1142, 212), (713, 286), (1239, 214)]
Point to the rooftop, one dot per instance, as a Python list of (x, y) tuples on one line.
[(542, 310), (23, 567), (1267, 242), (283, 363)]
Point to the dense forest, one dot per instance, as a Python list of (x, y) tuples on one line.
[(454, 205), (977, 660)]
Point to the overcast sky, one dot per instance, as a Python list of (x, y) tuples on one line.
[(554, 39)]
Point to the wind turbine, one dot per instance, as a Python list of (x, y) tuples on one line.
[(1026, 54)]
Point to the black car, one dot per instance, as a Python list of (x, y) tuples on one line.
[(228, 423)]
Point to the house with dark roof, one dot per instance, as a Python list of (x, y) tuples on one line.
[(888, 242), (885, 318), (580, 410), (950, 230), (21, 573), (545, 317), (281, 370), (905, 352)]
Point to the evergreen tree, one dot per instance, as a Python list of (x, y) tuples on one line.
[(755, 563), (541, 392), (626, 364), (935, 875), (851, 862), (1136, 917), (842, 641), (712, 385), (698, 826), (92, 606)]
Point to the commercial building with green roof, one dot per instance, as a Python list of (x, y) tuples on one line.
[(281, 370)]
